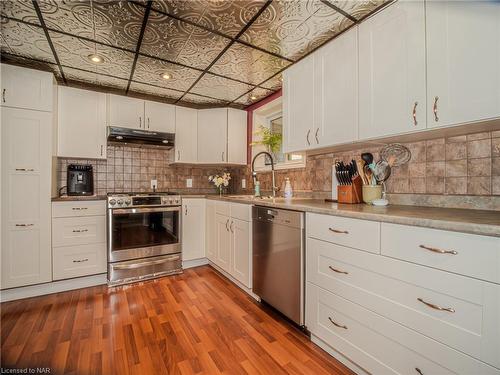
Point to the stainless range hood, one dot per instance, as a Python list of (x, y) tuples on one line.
[(140, 137)]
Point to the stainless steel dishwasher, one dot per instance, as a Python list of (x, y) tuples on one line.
[(278, 260)]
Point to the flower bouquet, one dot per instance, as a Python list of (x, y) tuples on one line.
[(220, 182)]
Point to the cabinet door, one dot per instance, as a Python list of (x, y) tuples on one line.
[(26, 88), (125, 112), (212, 135), (223, 259), (463, 56), (237, 136), (298, 105), (392, 91), (160, 117), (193, 229), (186, 135), (337, 91), (26, 171), (240, 251), (81, 124), (211, 231)]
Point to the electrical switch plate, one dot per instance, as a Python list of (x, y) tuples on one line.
[(154, 184), (243, 183), (189, 182)]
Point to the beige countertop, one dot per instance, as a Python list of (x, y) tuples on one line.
[(480, 222), (66, 198)]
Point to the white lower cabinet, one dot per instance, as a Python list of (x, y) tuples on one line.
[(229, 238), (78, 239), (391, 315), (193, 229)]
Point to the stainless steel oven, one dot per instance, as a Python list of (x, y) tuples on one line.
[(144, 236)]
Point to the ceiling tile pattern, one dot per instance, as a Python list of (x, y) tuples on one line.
[(248, 64), (217, 52)]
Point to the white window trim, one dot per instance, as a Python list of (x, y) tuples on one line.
[(287, 164)]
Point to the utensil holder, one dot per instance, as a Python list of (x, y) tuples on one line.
[(350, 193), (371, 192)]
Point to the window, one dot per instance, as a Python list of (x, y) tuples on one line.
[(282, 159)]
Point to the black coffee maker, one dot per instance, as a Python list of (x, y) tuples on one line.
[(80, 180)]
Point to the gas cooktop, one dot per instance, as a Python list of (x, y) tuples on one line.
[(143, 199)]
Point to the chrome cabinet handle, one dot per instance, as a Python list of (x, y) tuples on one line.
[(338, 271), (316, 136), (140, 121), (148, 122), (101, 149), (227, 222), (415, 122), (436, 307), (78, 208), (222, 155), (178, 155), (231, 226), (336, 324), (25, 169), (81, 260), (185, 210), (338, 231), (80, 230), (439, 251), (419, 371), (24, 225), (435, 109), (3, 95), (307, 137)]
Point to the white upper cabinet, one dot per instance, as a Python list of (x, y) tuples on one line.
[(81, 123), (392, 90), (298, 105), (337, 91), (125, 112), (463, 60), (212, 135), (236, 136), (159, 117), (26, 88), (186, 135)]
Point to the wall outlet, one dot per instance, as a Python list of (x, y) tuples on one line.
[(154, 184), (243, 183), (189, 182)]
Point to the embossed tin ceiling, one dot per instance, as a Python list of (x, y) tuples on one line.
[(217, 52)]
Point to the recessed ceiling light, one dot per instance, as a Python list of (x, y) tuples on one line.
[(253, 97), (166, 75), (96, 59)]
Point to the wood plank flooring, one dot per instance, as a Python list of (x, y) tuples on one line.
[(194, 323)]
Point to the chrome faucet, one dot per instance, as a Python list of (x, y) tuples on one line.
[(254, 174)]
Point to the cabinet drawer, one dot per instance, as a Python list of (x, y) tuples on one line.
[(465, 254), (359, 234), (70, 231), (241, 211), (223, 208), (380, 345), (78, 208), (76, 261), (403, 292)]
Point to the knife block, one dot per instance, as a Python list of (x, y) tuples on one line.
[(350, 193)]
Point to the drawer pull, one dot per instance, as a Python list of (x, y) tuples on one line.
[(419, 371), (338, 231), (436, 307), (24, 225), (81, 260), (338, 271), (336, 324), (25, 169), (435, 250), (79, 208), (80, 230)]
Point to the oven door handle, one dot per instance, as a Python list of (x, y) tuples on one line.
[(145, 264), (118, 211)]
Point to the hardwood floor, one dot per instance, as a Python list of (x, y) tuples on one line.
[(194, 323)]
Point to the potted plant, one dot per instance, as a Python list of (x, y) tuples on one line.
[(270, 140)]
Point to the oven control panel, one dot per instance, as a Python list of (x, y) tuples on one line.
[(123, 200)]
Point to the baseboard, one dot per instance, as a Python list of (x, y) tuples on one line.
[(234, 281), (338, 356), (194, 263), (53, 287)]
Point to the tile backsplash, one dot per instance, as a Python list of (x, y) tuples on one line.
[(132, 169)]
